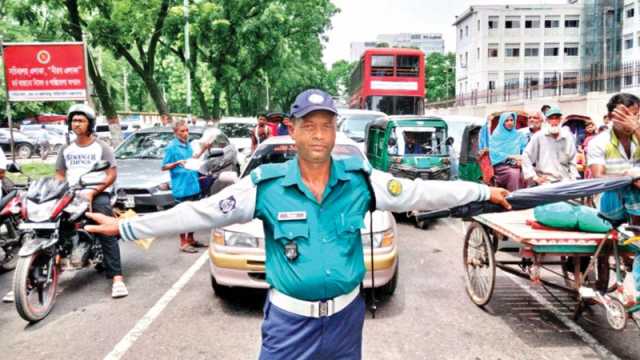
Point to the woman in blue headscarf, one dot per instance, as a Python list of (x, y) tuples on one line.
[(505, 147)]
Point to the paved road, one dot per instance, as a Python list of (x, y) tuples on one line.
[(430, 315)]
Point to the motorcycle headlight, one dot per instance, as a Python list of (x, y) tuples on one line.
[(40, 212), (380, 239), (237, 239)]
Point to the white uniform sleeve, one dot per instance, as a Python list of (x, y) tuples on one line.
[(234, 204), (424, 195)]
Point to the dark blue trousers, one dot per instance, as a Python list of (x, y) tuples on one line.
[(290, 336)]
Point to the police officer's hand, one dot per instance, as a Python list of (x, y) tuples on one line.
[(499, 196), (106, 225)]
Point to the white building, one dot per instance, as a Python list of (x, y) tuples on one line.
[(426, 42), (631, 46), (507, 52)]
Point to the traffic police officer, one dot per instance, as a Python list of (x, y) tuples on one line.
[(312, 208)]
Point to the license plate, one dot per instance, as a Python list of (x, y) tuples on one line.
[(130, 201), (36, 226)]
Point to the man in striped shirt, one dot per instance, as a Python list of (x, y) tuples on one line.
[(615, 152)]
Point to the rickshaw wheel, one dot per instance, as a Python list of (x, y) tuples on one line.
[(616, 315), (479, 264)]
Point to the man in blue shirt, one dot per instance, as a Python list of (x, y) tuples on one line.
[(312, 208), (185, 185)]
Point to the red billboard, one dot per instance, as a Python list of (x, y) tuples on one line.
[(45, 71)]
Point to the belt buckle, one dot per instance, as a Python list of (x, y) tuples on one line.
[(323, 309)]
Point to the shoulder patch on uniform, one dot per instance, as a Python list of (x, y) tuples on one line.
[(356, 164), (268, 171), (394, 187)]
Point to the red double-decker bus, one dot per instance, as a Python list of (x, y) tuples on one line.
[(389, 80)]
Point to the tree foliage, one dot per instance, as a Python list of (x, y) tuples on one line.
[(245, 55), (440, 73)]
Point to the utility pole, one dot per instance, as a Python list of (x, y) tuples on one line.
[(187, 57)]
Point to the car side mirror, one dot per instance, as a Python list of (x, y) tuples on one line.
[(100, 166), (14, 168), (392, 142), (449, 140), (215, 152)]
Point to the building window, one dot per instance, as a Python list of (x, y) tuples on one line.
[(532, 22), (628, 41), (550, 83), (627, 77), (461, 34), (630, 12), (512, 50), (570, 83), (493, 22), (511, 82), (551, 49), (466, 59), (512, 22), (551, 22), (531, 81), (478, 25), (571, 49), (572, 21), (532, 50), (478, 54), (493, 50), (491, 85), (466, 30), (416, 36), (460, 62)]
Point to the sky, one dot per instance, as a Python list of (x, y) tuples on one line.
[(363, 20)]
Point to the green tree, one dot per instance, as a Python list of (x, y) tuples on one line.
[(440, 73), (340, 77)]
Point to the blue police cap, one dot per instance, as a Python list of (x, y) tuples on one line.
[(312, 100)]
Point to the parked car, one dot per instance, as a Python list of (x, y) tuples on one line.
[(103, 133), (56, 139), (236, 252), (24, 146), (238, 130), (141, 183), (352, 122)]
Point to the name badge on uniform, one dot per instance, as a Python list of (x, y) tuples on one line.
[(292, 215)]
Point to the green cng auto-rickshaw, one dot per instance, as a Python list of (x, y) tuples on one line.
[(409, 146), (412, 146)]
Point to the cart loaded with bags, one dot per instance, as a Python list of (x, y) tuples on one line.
[(516, 243)]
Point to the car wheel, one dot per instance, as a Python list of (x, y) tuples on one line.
[(220, 291), (24, 151), (389, 288)]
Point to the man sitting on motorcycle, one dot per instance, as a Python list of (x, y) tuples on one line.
[(76, 159)]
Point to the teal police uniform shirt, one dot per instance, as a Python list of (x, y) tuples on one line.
[(327, 234), (330, 258), (184, 182)]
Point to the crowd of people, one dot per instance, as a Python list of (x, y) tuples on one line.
[(547, 150)]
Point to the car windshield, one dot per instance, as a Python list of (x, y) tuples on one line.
[(149, 145), (354, 125), (236, 130), (420, 140), (279, 153)]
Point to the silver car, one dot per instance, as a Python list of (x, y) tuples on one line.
[(141, 183)]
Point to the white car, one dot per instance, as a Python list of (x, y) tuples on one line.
[(236, 252), (238, 130), (353, 123)]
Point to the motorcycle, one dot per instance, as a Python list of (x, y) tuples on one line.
[(10, 236), (54, 241)]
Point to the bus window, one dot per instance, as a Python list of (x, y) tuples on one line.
[(382, 65), (407, 66)]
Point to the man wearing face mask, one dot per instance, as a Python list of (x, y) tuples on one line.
[(550, 156)]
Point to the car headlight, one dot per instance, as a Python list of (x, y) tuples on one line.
[(235, 239), (380, 239)]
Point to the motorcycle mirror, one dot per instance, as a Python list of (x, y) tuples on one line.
[(213, 152), (14, 168), (100, 166)]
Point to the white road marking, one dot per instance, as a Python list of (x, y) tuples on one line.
[(130, 338), (600, 349)]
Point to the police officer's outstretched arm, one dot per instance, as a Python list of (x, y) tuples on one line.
[(234, 204), (400, 195)]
